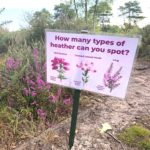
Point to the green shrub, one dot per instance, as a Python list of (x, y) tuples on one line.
[(4, 41), (28, 104), (144, 50), (136, 136), (24, 84)]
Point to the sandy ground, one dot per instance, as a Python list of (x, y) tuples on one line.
[(96, 110)]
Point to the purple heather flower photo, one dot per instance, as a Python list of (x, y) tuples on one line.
[(112, 80), (61, 66)]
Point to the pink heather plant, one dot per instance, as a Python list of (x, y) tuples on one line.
[(67, 101), (26, 92), (54, 98), (44, 67), (39, 82), (38, 95), (60, 66), (111, 81), (34, 103), (36, 56), (86, 69), (33, 94), (12, 64), (41, 113), (36, 89)]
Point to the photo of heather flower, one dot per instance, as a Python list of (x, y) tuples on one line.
[(61, 66), (86, 68), (111, 80)]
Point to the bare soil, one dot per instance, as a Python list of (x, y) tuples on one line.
[(98, 109)]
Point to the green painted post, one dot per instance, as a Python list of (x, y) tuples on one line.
[(76, 98)]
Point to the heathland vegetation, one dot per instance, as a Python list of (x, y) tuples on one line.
[(29, 105)]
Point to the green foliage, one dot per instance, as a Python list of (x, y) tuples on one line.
[(4, 40), (113, 29), (5, 36), (63, 12), (144, 50), (40, 21), (102, 7), (15, 126), (64, 17), (132, 11), (102, 13), (27, 102), (136, 136), (30, 76)]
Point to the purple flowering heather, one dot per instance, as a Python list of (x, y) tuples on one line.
[(12, 64), (35, 53), (40, 82), (44, 67), (112, 80), (9, 63), (26, 92), (35, 56), (33, 93), (67, 101), (34, 103), (48, 86), (16, 64), (31, 82), (59, 91), (55, 97), (41, 113), (34, 80)]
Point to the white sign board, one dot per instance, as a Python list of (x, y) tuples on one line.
[(96, 63)]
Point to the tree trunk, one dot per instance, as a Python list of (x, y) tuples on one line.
[(94, 14), (129, 18), (86, 10), (75, 7)]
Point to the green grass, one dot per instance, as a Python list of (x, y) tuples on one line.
[(136, 136)]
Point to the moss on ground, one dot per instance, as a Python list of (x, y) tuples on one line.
[(136, 136)]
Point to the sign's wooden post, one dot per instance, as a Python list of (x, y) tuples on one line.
[(76, 98)]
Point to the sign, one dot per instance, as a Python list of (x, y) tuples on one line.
[(96, 63)]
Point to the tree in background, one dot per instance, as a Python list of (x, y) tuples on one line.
[(90, 11), (64, 16), (132, 11), (81, 8), (145, 43), (75, 6), (101, 13), (5, 38), (38, 23)]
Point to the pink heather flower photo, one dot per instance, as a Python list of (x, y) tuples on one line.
[(86, 68), (112, 80), (61, 66)]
